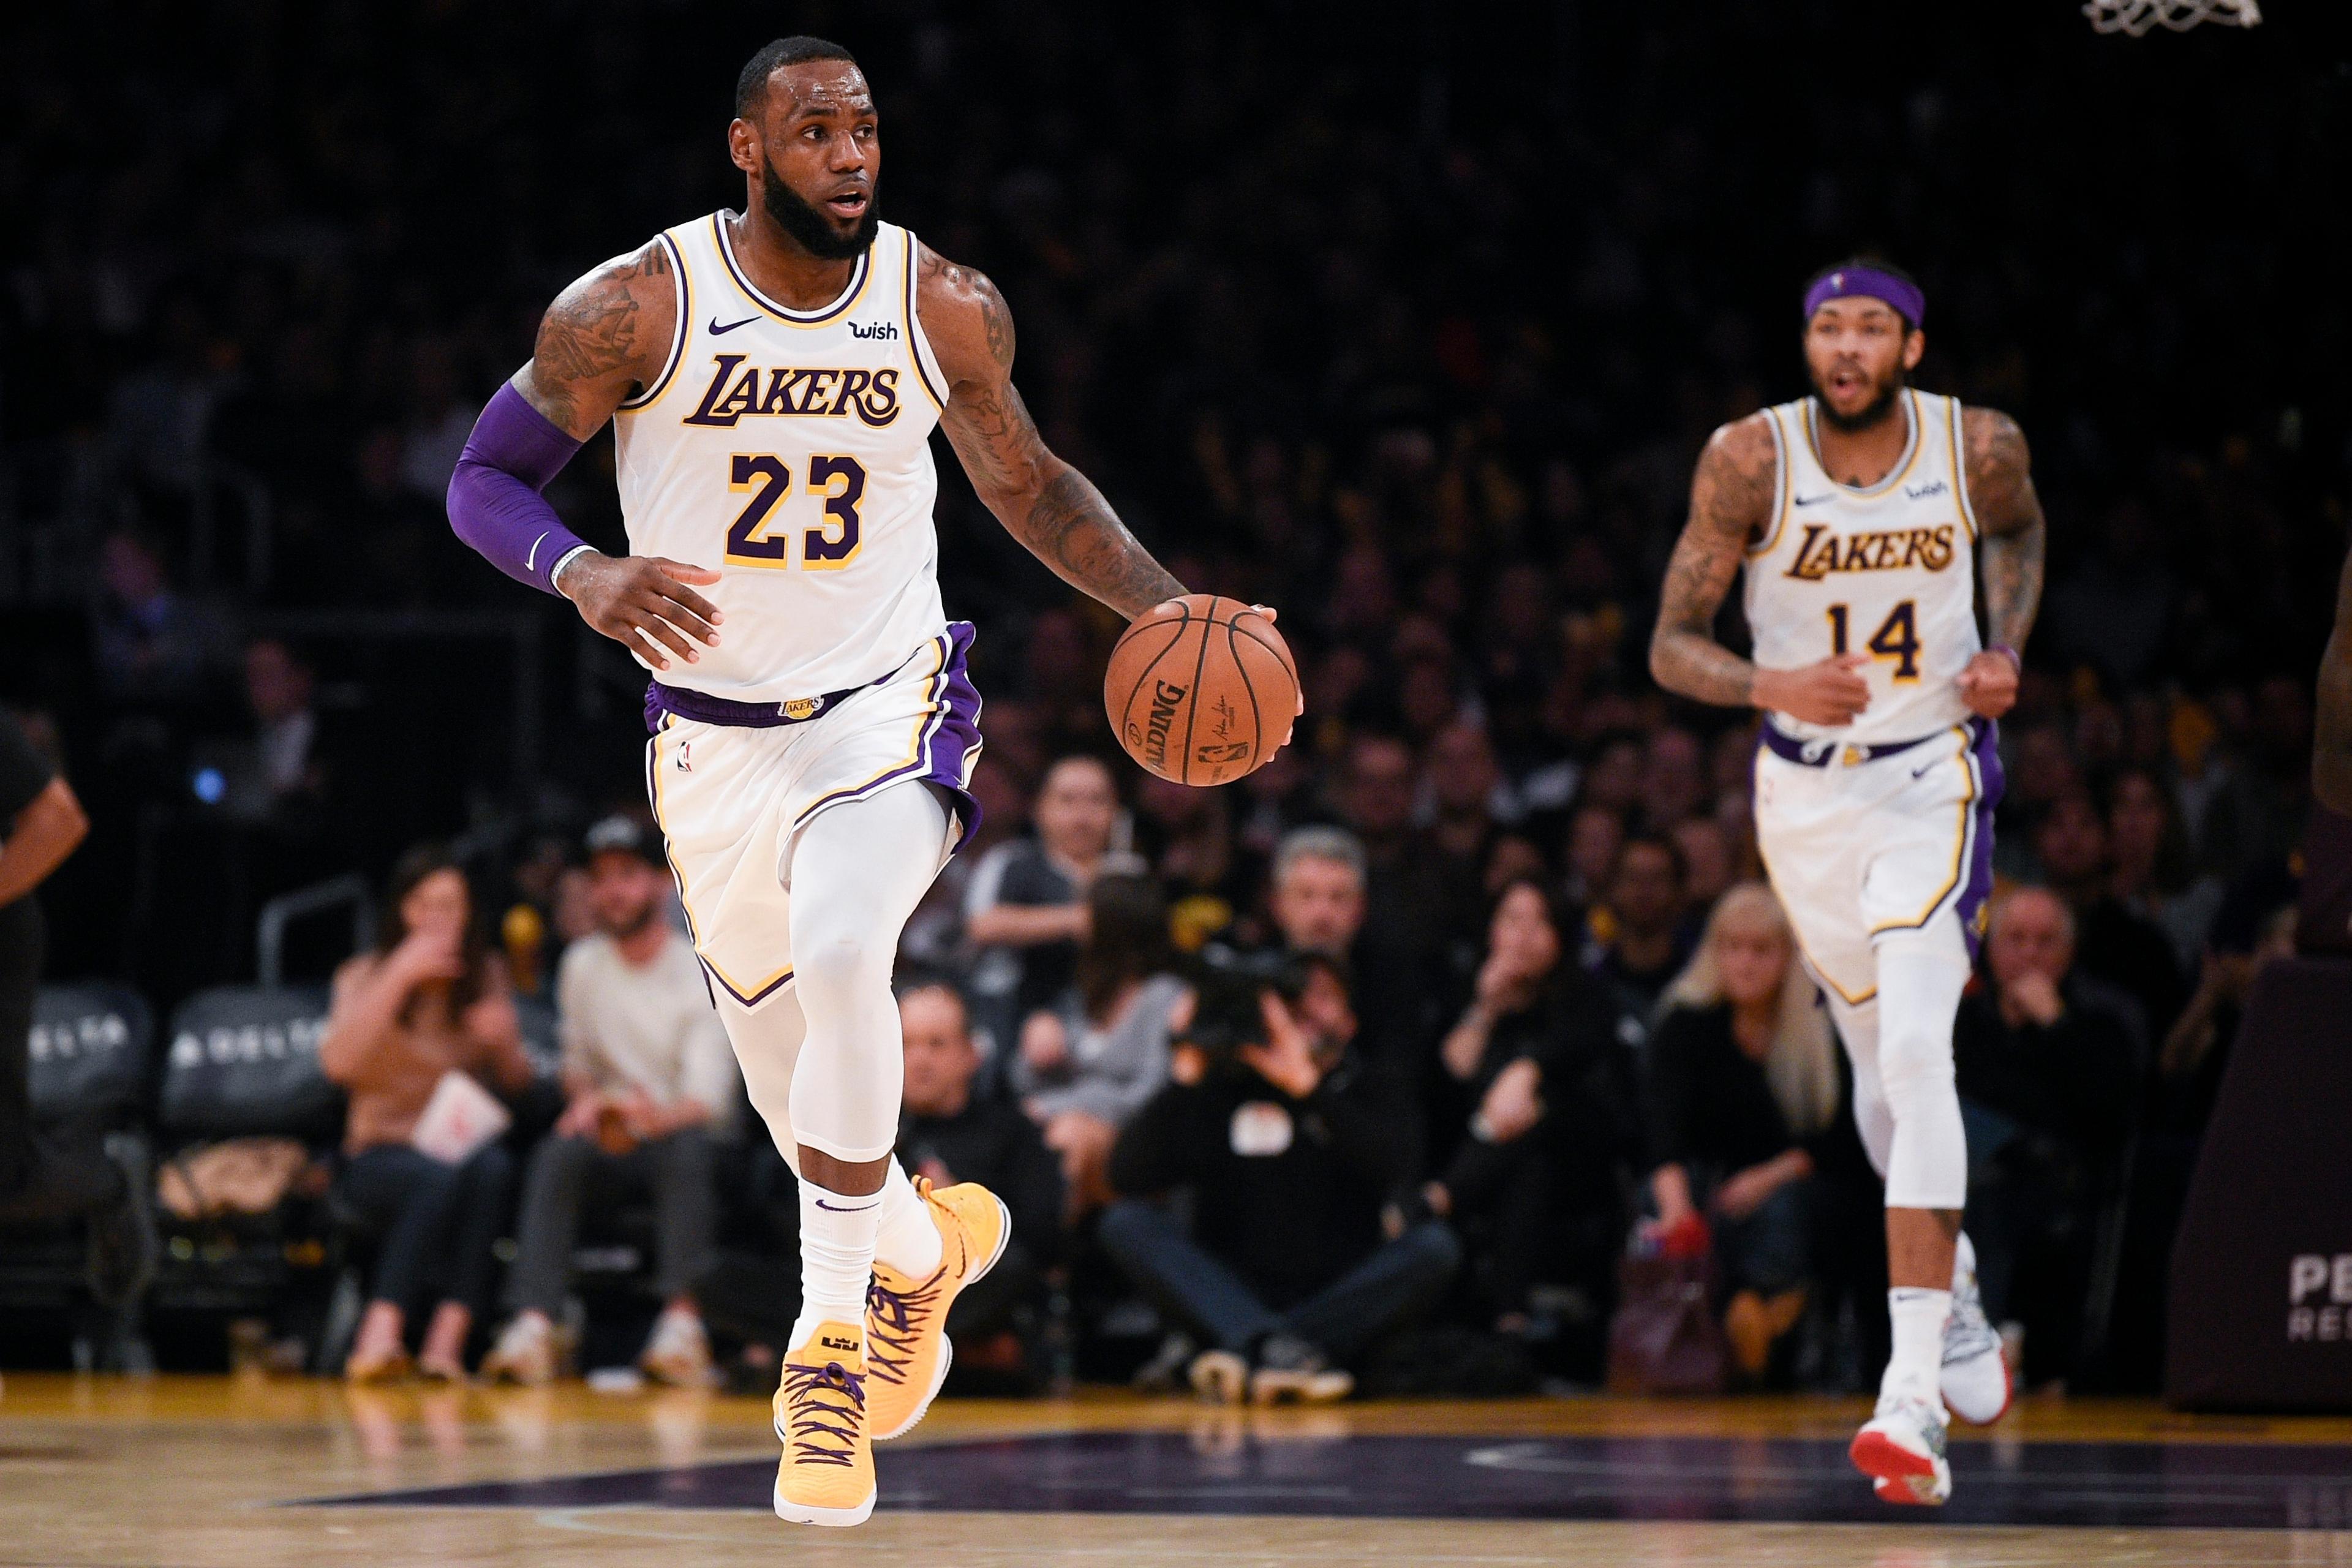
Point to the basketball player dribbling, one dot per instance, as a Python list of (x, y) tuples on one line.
[(1866, 517), (773, 377)]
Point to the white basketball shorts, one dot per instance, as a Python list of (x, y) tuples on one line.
[(1861, 842), (733, 787)]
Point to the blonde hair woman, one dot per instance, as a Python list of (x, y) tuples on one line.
[(1743, 1080)]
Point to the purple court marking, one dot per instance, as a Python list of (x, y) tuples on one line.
[(2205, 1486)]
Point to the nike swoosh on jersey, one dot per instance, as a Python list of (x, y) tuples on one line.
[(718, 330), (532, 554), (1814, 500)]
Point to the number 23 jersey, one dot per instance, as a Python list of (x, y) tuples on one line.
[(789, 450), (1888, 570)]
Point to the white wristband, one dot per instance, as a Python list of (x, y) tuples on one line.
[(555, 572)]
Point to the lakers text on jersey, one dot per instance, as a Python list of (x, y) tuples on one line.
[(789, 450), (1888, 570)]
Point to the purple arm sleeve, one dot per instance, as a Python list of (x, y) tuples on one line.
[(494, 500)]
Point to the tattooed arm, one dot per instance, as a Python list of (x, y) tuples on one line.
[(1731, 504), (2331, 758), (605, 337), (2009, 517), (1042, 501), (602, 340)]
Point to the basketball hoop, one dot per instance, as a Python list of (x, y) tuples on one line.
[(2136, 17)]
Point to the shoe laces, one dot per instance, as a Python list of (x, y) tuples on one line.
[(824, 1407), (894, 1324)]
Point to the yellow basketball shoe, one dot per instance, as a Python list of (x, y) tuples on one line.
[(907, 1347), (826, 1476)]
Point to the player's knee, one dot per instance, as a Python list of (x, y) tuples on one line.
[(1914, 1069), (843, 962)]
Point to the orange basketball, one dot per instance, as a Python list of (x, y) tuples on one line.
[(1201, 689)]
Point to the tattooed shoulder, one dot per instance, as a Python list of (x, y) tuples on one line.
[(2000, 471), (603, 335), (1736, 478), (964, 315)]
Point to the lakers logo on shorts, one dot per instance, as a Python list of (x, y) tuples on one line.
[(799, 708)]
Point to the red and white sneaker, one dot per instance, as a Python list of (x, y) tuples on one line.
[(1901, 1449), (1975, 1379)]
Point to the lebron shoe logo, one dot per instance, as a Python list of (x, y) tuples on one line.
[(799, 708)]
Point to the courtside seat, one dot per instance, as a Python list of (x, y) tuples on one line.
[(243, 1062), (90, 1049)]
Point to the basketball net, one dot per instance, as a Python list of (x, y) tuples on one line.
[(2137, 17)]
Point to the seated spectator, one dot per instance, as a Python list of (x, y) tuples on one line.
[(1742, 1080), (1086, 1063), (1287, 1155), (947, 1135), (1636, 941), (2111, 942), (2155, 874), (430, 1001), (1317, 899), (1025, 906), (648, 1071), (1535, 1178), (2049, 1083)]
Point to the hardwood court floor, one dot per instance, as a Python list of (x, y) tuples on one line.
[(222, 1473)]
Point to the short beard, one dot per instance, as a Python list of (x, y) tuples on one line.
[(1877, 409), (811, 227), (622, 931)]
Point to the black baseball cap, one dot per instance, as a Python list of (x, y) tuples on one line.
[(624, 835)]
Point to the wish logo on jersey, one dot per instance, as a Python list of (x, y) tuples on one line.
[(736, 390), (1824, 551)]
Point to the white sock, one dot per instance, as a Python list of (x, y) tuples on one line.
[(1964, 1257), (1917, 1367), (836, 1259), (908, 1241)]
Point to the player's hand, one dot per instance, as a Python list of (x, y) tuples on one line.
[(1989, 684), (645, 602), (1832, 692)]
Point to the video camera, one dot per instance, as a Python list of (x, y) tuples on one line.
[(1227, 985)]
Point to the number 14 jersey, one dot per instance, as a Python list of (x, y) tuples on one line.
[(1887, 570), (789, 450)]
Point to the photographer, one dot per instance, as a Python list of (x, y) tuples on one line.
[(1287, 1154)]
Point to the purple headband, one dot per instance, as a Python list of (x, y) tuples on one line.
[(1870, 284)]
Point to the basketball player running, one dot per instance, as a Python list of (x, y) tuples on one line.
[(1859, 514), (773, 377)]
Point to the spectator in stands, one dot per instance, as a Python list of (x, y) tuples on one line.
[(1087, 1062), (1026, 905), (63, 1173), (2156, 874), (947, 1134), (1463, 781), (155, 644), (1287, 1154), (2049, 1077), (1400, 955), (2111, 942), (1742, 1080), (431, 1001), (1534, 1179), (649, 1075), (1318, 900), (1636, 935)]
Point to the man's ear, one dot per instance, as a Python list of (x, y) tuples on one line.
[(1915, 347), (745, 150)]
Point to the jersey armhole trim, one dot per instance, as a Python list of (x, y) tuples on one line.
[(1780, 482), (1960, 467), (684, 291), (918, 347)]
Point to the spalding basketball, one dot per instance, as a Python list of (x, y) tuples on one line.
[(1201, 689)]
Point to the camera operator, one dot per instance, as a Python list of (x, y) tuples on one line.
[(1288, 1153)]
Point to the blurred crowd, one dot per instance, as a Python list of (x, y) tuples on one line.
[(1413, 333)]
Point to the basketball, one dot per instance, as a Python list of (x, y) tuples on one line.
[(1201, 689)]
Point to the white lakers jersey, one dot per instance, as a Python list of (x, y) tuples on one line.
[(1889, 570), (789, 450)]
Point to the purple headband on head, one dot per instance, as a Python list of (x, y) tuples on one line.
[(1870, 284)]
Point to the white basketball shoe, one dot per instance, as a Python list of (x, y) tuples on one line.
[(1901, 1449), (1975, 1379)]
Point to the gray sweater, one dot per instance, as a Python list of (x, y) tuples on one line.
[(1112, 1070)]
